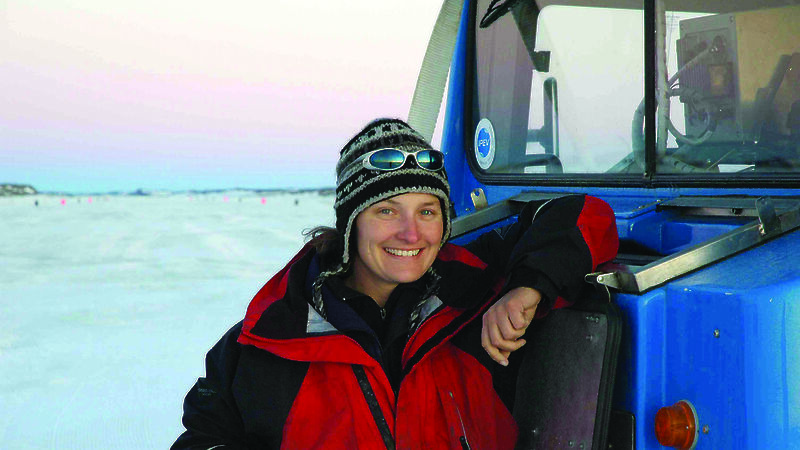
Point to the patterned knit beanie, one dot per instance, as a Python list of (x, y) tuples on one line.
[(357, 188)]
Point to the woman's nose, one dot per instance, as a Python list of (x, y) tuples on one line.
[(409, 230)]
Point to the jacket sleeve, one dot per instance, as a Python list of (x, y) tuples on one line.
[(210, 415), (552, 246)]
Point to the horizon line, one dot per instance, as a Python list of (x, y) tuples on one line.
[(18, 189)]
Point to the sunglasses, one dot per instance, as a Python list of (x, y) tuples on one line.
[(388, 159)]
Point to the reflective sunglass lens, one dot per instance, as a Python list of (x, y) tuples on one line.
[(387, 159), (430, 160)]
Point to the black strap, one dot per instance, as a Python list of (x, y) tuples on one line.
[(374, 407)]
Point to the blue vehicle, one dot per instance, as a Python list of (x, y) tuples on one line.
[(685, 117)]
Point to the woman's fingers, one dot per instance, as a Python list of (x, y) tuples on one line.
[(499, 353), (502, 317), (498, 337), (521, 303), (506, 321)]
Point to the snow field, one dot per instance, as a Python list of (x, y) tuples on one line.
[(108, 307)]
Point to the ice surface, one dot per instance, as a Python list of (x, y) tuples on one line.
[(108, 306)]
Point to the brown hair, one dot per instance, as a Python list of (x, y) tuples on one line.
[(327, 241)]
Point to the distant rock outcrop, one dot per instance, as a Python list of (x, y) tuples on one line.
[(16, 189)]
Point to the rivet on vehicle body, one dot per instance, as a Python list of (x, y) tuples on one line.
[(716, 333)]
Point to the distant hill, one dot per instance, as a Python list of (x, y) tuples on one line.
[(16, 189)]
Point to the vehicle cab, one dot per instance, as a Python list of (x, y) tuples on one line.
[(685, 117)]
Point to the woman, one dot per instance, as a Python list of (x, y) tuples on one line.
[(372, 335)]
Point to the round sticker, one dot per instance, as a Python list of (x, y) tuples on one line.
[(484, 143)]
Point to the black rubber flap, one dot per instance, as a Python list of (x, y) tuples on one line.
[(565, 379)]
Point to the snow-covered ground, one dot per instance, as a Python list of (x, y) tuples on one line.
[(108, 306)]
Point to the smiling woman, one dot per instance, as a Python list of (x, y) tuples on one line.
[(380, 332)]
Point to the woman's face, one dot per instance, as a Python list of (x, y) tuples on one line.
[(398, 240)]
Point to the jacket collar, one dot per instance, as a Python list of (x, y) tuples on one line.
[(281, 320)]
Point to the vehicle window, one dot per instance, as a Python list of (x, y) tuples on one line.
[(734, 90), (560, 89)]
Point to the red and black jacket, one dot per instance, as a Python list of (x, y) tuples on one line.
[(287, 378)]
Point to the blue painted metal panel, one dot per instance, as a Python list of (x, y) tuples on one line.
[(757, 296), (462, 182), (726, 338), (639, 387), (668, 232)]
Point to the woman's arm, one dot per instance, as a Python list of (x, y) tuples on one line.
[(546, 255), (552, 246), (209, 411)]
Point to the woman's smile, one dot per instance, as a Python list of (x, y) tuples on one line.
[(400, 252)]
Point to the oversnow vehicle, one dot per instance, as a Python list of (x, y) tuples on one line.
[(685, 117)]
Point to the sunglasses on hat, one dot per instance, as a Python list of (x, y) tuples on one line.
[(388, 159)]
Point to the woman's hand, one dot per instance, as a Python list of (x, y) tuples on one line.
[(506, 321)]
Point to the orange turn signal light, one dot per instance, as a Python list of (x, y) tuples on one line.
[(676, 426)]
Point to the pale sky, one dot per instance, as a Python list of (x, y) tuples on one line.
[(119, 95)]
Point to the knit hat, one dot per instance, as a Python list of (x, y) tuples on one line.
[(357, 188)]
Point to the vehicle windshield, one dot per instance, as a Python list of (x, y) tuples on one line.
[(559, 89)]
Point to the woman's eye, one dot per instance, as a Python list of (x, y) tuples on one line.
[(385, 211), (428, 212)]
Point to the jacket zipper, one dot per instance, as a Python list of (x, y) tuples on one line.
[(463, 438), (374, 406)]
